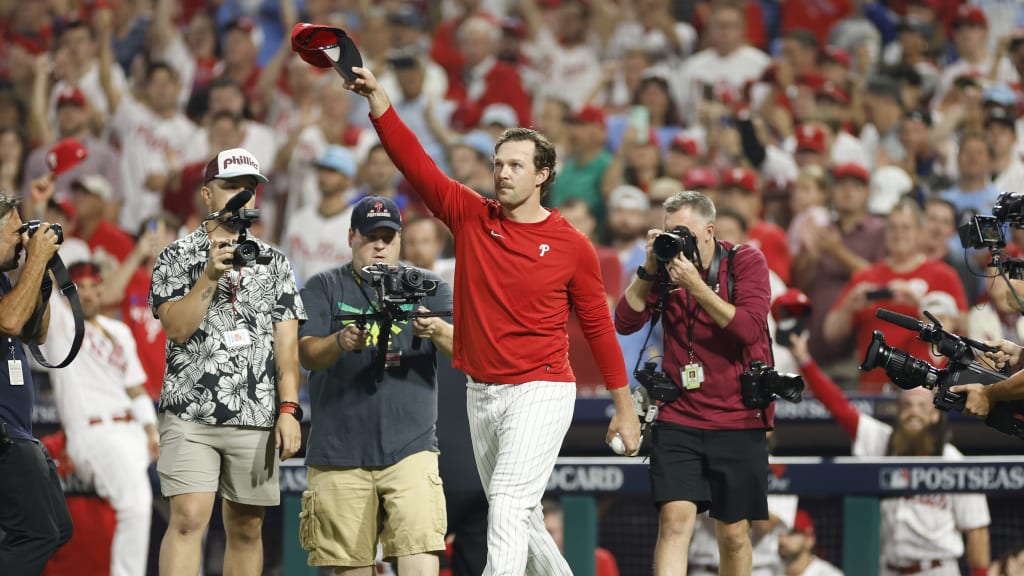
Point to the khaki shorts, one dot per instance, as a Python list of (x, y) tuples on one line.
[(240, 463), (345, 509)]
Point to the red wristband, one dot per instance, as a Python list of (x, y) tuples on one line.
[(288, 408), (979, 571)]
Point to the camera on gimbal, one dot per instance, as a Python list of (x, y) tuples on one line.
[(908, 372), (400, 284), (760, 385), (668, 245), (239, 218)]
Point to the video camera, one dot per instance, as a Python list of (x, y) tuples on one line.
[(908, 372), (668, 245), (986, 232), (398, 290)]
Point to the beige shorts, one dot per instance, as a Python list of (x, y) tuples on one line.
[(344, 510), (240, 463)]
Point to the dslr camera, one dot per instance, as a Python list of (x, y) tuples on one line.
[(908, 372), (668, 245), (760, 385), (986, 232), (33, 225)]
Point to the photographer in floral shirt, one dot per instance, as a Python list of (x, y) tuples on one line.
[(230, 392)]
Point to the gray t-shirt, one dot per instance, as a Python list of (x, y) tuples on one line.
[(356, 420)]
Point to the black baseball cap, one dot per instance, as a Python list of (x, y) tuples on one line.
[(375, 212)]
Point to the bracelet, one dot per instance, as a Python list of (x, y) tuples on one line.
[(337, 340)]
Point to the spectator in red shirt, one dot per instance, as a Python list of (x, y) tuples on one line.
[(896, 283), (445, 49), (741, 192), (483, 78)]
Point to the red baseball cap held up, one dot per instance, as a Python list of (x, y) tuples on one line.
[(324, 47), (65, 155)]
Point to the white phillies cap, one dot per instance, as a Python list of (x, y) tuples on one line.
[(233, 163)]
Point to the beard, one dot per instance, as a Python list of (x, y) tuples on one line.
[(12, 263), (925, 442)]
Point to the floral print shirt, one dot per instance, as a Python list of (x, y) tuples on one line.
[(225, 373)]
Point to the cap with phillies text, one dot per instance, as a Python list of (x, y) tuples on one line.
[(375, 212), (232, 164)]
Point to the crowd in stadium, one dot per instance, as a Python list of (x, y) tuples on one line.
[(845, 139)]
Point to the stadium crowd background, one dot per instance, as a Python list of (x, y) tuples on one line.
[(806, 122)]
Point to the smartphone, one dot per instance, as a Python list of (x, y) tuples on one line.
[(640, 120), (883, 293)]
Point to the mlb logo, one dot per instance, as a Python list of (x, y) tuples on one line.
[(894, 478)]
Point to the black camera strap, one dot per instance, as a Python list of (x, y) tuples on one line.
[(70, 291)]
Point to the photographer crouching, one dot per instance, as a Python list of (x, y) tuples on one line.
[(708, 446), (33, 514)]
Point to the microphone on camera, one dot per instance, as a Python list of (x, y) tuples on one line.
[(237, 202), (901, 320)]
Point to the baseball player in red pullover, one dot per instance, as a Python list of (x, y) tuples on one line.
[(520, 269)]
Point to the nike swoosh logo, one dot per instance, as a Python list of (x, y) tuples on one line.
[(496, 235)]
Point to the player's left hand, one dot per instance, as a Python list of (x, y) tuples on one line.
[(978, 403), (683, 273), (289, 436), (625, 423)]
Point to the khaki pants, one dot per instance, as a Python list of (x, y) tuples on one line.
[(344, 510)]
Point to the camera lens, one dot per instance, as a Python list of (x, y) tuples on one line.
[(412, 279), (245, 253), (667, 246), (903, 370)]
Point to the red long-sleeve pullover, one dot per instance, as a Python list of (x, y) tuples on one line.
[(514, 282)]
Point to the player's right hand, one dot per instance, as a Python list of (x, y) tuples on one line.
[(217, 262), (42, 244), (353, 338), (1008, 353)]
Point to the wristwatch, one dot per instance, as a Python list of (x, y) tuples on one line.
[(642, 274), (292, 408)]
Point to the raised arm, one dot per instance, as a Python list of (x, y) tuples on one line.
[(824, 389)]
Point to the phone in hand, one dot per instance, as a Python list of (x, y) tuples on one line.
[(640, 121), (883, 293)]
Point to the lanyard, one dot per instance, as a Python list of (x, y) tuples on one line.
[(362, 288)]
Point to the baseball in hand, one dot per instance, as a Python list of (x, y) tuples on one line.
[(617, 445)]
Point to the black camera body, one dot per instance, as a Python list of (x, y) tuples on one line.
[(33, 225), (659, 386), (399, 285), (761, 384), (246, 249), (908, 372), (668, 245)]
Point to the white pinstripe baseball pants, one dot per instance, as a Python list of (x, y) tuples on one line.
[(517, 431)]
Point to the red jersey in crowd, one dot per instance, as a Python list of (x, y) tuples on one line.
[(502, 85), (150, 339), (107, 237), (930, 276), (772, 242), (514, 282), (818, 16)]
